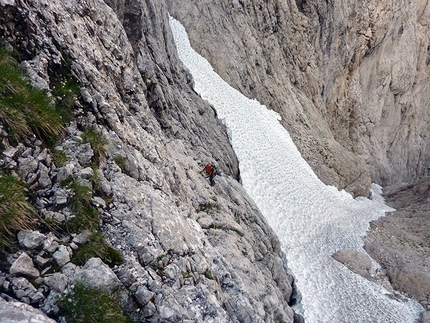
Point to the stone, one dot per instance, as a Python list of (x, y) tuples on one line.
[(86, 173), (59, 217), (27, 165), (24, 266), (10, 152), (40, 261), (15, 312), (98, 202), (426, 317), (62, 255), (83, 237), (98, 274), (85, 154), (149, 310), (60, 197), (143, 296), (44, 178), (358, 262), (50, 244), (65, 172), (56, 281), (30, 239)]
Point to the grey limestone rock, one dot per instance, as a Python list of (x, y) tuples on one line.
[(358, 262), (30, 239), (342, 82), (56, 282), (198, 252), (62, 255), (82, 237), (16, 312), (23, 265)]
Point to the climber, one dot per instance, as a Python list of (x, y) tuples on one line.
[(210, 171)]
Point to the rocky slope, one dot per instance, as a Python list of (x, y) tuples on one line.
[(351, 81), (400, 242), (192, 252), (349, 78)]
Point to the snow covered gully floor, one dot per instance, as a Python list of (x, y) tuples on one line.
[(312, 220)]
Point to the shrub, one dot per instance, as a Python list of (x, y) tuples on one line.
[(91, 305), (23, 108), (16, 213), (97, 247)]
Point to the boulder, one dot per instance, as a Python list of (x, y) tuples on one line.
[(62, 255), (30, 239), (24, 266), (15, 312), (56, 281), (356, 261)]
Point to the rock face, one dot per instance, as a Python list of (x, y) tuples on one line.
[(350, 81), (400, 241), (191, 251)]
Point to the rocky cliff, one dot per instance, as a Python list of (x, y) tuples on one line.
[(350, 79), (189, 252)]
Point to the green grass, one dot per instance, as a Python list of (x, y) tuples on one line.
[(59, 156), (97, 142), (23, 108), (120, 161), (207, 207), (91, 305), (16, 213), (97, 247), (86, 216)]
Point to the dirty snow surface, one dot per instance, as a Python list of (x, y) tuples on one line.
[(311, 219)]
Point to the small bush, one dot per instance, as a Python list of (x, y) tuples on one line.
[(16, 213), (91, 305), (97, 247), (208, 274)]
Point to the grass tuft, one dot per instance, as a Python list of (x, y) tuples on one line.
[(16, 213), (97, 142), (120, 161), (23, 108), (91, 305), (97, 247), (86, 215)]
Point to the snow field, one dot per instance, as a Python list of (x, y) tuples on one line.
[(312, 220)]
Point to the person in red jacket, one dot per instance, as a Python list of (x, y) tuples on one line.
[(210, 171)]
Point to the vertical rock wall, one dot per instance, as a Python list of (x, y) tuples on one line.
[(350, 78)]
